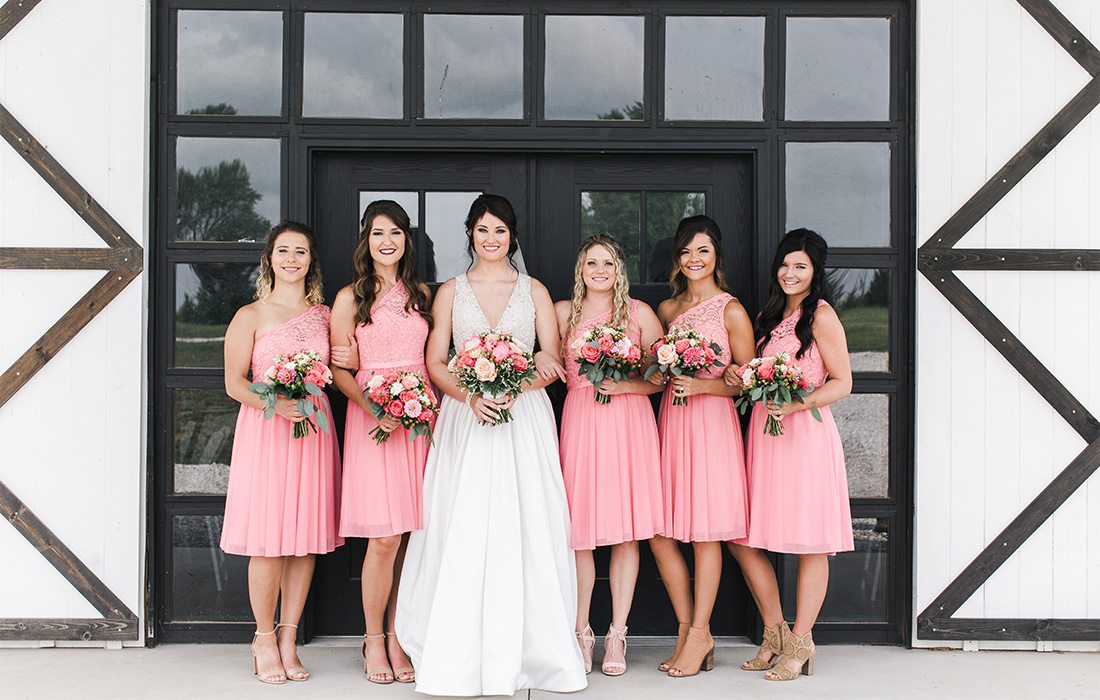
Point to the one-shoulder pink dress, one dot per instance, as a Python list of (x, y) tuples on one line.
[(702, 455), (610, 457), (283, 497), (798, 487), (383, 484)]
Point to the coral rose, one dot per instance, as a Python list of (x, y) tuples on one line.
[(590, 353)]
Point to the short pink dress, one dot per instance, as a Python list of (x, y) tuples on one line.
[(702, 455), (283, 498), (610, 458), (383, 484), (798, 487)]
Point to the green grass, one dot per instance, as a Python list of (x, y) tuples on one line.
[(200, 330), (209, 354), (867, 328)]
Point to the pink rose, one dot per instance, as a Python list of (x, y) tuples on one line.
[(606, 343), (516, 349), (492, 337), (485, 370), (395, 408), (410, 381), (519, 362), (709, 354), (634, 354), (590, 354), (658, 345), (666, 355), (682, 345), (407, 396), (766, 372), (468, 361), (501, 352)]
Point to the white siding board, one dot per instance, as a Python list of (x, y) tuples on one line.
[(934, 117), (31, 301), (39, 590)]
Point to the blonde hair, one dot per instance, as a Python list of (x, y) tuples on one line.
[(620, 301), (265, 280)]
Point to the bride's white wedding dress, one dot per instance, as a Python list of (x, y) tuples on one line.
[(487, 602)]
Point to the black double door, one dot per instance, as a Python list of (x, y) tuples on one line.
[(559, 199)]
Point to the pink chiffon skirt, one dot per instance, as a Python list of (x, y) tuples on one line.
[(703, 470), (610, 460), (283, 498)]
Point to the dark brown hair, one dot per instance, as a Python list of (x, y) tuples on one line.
[(366, 284), (685, 232), (502, 209), (815, 247), (265, 280)]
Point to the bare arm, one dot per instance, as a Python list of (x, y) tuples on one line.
[(833, 346), (739, 330), (239, 340), (547, 332), (439, 343), (342, 330)]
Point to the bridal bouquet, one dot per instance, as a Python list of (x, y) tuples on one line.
[(773, 379), (296, 377), (605, 352), (683, 351), (407, 397), (493, 365)]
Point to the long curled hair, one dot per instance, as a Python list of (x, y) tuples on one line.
[(366, 284), (815, 247), (620, 300), (502, 209), (685, 232), (265, 280)]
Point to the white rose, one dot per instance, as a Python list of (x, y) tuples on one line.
[(485, 370), (666, 354), (396, 388), (375, 382), (472, 343), (747, 377)]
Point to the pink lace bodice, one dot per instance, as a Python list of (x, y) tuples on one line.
[(572, 366), (707, 318), (395, 337), (306, 331), (784, 340)]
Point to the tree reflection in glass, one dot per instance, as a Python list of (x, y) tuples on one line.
[(207, 296)]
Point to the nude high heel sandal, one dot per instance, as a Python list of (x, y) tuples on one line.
[(698, 654), (681, 637), (586, 639), (269, 678), (382, 675), (405, 674), (797, 658), (772, 644), (295, 673), (614, 651)]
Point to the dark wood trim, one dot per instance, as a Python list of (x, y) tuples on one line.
[(13, 12), (1009, 629), (1052, 259), (54, 550), (68, 629), (1072, 39), (69, 259)]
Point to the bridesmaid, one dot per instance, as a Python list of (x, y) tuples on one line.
[(798, 489), (702, 463), (282, 502), (385, 314), (610, 455)]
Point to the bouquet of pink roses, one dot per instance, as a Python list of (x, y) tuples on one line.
[(493, 365), (406, 397), (773, 379), (605, 352), (683, 351), (296, 377)]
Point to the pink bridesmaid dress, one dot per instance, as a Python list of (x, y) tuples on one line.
[(702, 456), (383, 484), (610, 457), (798, 487), (283, 498)]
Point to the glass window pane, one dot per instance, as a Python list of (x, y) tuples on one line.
[(663, 211), (207, 585), (473, 66), (617, 214), (353, 65), (858, 581), (838, 69), (226, 189), (723, 82), (202, 437), (864, 424), (207, 296), (862, 299), (409, 201), (595, 67), (229, 62), (840, 190), (444, 240)]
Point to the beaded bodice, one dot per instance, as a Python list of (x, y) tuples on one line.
[(306, 331), (784, 340), (394, 337), (572, 366), (707, 318), (468, 319)]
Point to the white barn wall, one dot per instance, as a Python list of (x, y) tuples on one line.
[(988, 78), (75, 74)]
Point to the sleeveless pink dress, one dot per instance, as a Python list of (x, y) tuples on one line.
[(610, 457), (283, 497), (383, 483), (798, 487), (702, 455)]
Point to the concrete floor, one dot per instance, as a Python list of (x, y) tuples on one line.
[(224, 671)]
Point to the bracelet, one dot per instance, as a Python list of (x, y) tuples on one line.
[(469, 398)]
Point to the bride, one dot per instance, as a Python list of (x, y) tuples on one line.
[(488, 593)]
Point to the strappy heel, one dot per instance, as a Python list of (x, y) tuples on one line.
[(294, 673), (614, 651), (797, 649), (586, 639), (269, 678), (697, 655), (681, 637), (405, 674), (772, 644), (385, 673)]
